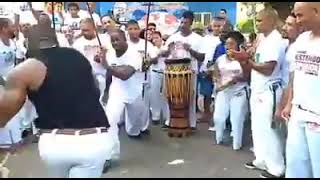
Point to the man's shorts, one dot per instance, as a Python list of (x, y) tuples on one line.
[(206, 85)]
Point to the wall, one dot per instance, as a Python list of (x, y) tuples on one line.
[(214, 8)]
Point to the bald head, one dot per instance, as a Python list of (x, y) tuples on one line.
[(267, 20), (308, 14)]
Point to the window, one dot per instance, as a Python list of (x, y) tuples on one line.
[(203, 17)]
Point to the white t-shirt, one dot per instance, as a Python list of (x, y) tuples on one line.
[(21, 49), (7, 57), (25, 13), (90, 47), (95, 17), (73, 23), (126, 91), (82, 14), (140, 48), (270, 48), (287, 65), (160, 65), (306, 83), (8, 10), (62, 40), (228, 70), (194, 40), (210, 43)]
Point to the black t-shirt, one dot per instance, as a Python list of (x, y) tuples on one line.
[(68, 97)]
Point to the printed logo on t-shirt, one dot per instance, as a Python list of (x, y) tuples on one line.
[(24, 7), (75, 26), (309, 64), (8, 57)]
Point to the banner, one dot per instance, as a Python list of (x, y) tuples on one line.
[(166, 15)]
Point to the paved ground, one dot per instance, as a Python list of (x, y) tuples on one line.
[(149, 157)]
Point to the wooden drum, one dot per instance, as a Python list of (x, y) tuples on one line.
[(178, 78)]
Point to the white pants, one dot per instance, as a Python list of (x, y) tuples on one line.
[(302, 151), (157, 100), (102, 85), (134, 114), (192, 107), (234, 103), (30, 115), (145, 118), (268, 147), (12, 132), (75, 156)]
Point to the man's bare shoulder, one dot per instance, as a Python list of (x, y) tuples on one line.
[(30, 73)]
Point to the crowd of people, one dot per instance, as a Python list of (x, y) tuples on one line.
[(75, 83)]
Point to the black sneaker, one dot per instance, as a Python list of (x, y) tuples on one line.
[(250, 165), (266, 174), (145, 132), (106, 166), (193, 129), (135, 137), (165, 127)]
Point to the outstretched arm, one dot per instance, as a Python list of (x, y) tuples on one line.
[(27, 75), (12, 97)]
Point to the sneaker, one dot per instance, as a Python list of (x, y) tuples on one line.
[(135, 137), (266, 174), (250, 165), (106, 166), (145, 132), (251, 149), (212, 129), (165, 127)]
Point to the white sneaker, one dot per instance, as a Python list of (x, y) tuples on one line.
[(251, 149), (212, 129)]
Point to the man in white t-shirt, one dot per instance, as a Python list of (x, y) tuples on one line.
[(95, 16), (302, 109), (125, 93), (211, 40), (139, 44), (193, 43), (88, 45), (291, 31), (12, 132), (266, 90), (73, 18)]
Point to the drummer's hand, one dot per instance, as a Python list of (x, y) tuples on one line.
[(100, 56), (186, 46)]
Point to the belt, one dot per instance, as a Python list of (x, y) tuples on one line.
[(157, 71), (73, 131)]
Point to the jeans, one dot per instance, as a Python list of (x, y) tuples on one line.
[(75, 156)]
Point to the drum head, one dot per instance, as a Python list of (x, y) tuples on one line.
[(178, 61)]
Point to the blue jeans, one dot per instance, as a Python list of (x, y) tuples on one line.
[(303, 144)]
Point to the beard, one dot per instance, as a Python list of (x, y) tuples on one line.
[(12, 36)]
